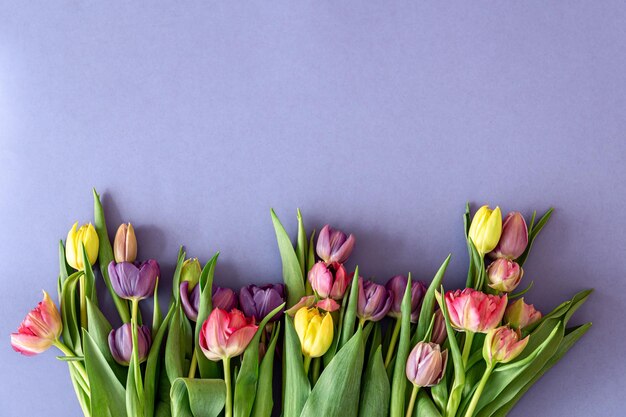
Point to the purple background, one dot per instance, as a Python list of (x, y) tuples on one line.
[(380, 118)]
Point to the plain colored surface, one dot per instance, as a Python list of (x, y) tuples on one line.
[(381, 118)]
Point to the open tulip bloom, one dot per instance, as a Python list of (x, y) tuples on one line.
[(345, 346)]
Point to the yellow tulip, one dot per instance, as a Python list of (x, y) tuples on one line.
[(85, 236), (486, 229), (315, 331)]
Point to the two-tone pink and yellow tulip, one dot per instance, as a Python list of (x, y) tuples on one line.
[(40, 329), (474, 311)]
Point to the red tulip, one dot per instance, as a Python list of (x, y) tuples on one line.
[(475, 311), (40, 329), (226, 334)]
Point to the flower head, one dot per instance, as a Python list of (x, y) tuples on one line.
[(258, 302), (514, 237), (374, 301), (329, 281), (121, 343), (504, 275), (224, 298), (190, 300), (520, 315), (485, 229), (475, 311), (190, 272), (130, 281), (40, 329), (125, 244), (333, 245), (315, 331), (86, 237), (397, 286), (226, 334), (502, 345), (426, 364)]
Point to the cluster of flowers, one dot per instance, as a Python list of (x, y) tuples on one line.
[(350, 346)]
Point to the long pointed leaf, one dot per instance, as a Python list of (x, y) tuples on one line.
[(292, 274)]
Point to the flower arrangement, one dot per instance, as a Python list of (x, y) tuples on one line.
[(325, 342)]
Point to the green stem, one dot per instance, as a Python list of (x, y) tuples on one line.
[(83, 302), (307, 363), (194, 363), (393, 341), (84, 380), (135, 358), (479, 391), (229, 394), (467, 347), (315, 372), (409, 410)]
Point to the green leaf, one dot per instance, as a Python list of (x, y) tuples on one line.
[(428, 304), (297, 386), (81, 395), (176, 279), (63, 267), (578, 300), (99, 329), (157, 315), (399, 380), (245, 386), (134, 404), (301, 249), (71, 325), (197, 397), (349, 318), (90, 279), (208, 369), (264, 402), (336, 393), (178, 346), (533, 231), (71, 358), (425, 406), (376, 390), (310, 260), (151, 376), (105, 256), (107, 394), (292, 274)]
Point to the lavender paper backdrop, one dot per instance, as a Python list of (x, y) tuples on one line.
[(382, 118)]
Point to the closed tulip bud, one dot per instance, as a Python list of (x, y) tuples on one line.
[(40, 329), (334, 245), (86, 237), (374, 301), (396, 287), (125, 244), (134, 282), (224, 298), (315, 331), (520, 315), (191, 272), (440, 333), (514, 237), (121, 343), (426, 364), (329, 282), (485, 229), (258, 302), (474, 311), (502, 345), (226, 334), (190, 300), (504, 275)]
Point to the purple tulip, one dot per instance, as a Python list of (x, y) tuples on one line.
[(374, 301), (132, 281), (258, 302), (396, 287), (439, 333), (224, 298), (190, 300), (333, 245), (121, 343)]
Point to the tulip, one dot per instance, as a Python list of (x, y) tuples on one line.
[(315, 331), (86, 237), (485, 229), (504, 275), (374, 301), (502, 345), (226, 334), (474, 311), (40, 329), (325, 283), (440, 332), (134, 282), (514, 237), (190, 300), (396, 287), (224, 298), (426, 364), (258, 302), (333, 245), (520, 315), (307, 301), (191, 272), (121, 343), (125, 244)]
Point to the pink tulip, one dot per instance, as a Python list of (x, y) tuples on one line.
[(334, 245), (504, 275), (329, 282), (226, 334), (40, 329), (474, 311), (426, 364), (502, 345), (520, 315), (514, 238)]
